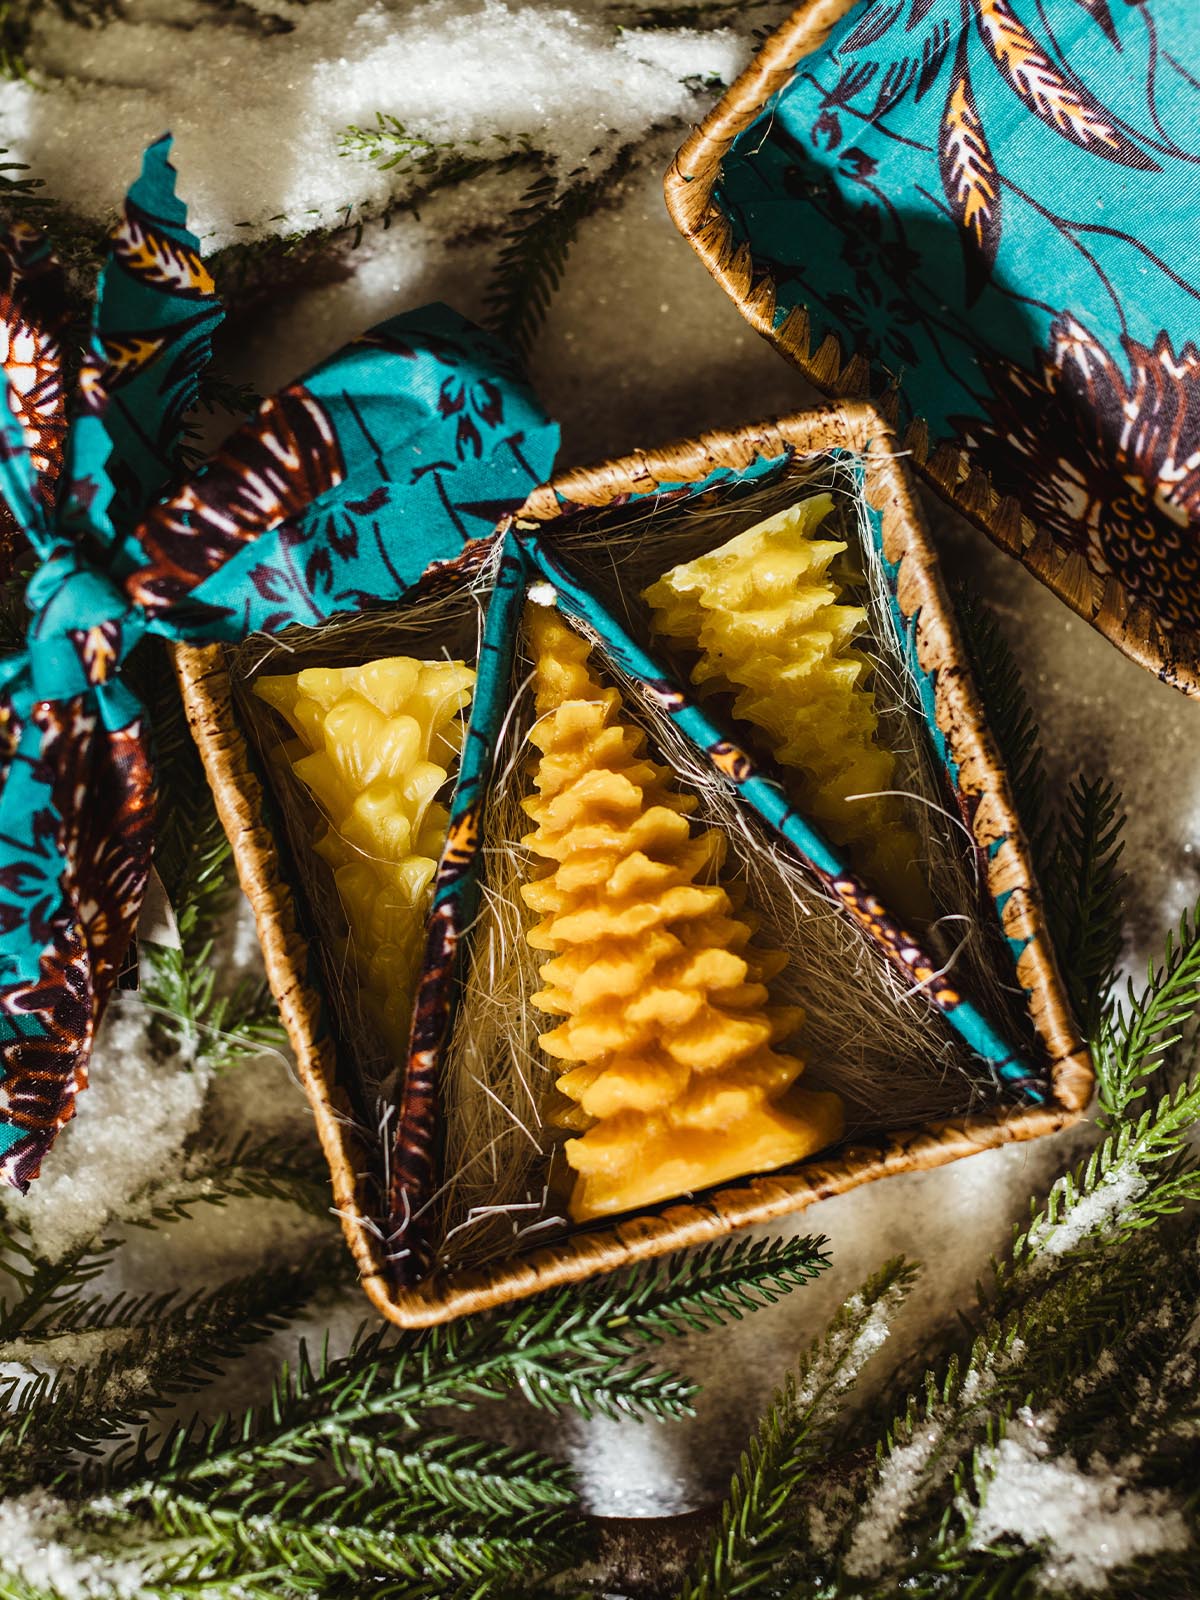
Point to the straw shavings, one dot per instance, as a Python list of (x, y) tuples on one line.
[(465, 78)]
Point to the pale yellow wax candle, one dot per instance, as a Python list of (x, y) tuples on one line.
[(373, 746), (769, 626), (668, 1035)]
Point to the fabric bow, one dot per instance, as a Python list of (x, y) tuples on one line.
[(339, 493)]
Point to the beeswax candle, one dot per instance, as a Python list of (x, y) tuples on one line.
[(373, 746), (668, 1038), (770, 627)]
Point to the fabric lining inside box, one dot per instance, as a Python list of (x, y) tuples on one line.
[(886, 1051)]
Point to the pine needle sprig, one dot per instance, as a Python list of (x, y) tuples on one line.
[(1090, 1319), (250, 1168), (430, 164), (47, 1290), (533, 255), (215, 396), (458, 1472), (1136, 1037), (193, 857), (21, 198), (1076, 844), (1141, 1170), (568, 1350), (393, 147), (349, 1470), (1084, 888), (698, 1292), (302, 1550), (756, 1537), (152, 1348)]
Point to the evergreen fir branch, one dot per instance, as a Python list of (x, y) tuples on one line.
[(692, 1293), (569, 1350), (460, 1473), (14, 42), (756, 1538), (1152, 1387), (159, 1347), (1085, 896), (215, 394), (432, 164), (338, 1478), (303, 1548), (194, 860), (392, 147), (1136, 1037), (21, 198), (1139, 1172), (1077, 846), (47, 1289), (1168, 1576), (1078, 1309), (533, 256), (248, 1169)]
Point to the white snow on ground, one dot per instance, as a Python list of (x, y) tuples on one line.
[(39, 1542), (131, 1122), (259, 118), (1099, 1213), (1089, 1521)]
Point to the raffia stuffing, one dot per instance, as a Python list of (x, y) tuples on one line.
[(889, 1058)]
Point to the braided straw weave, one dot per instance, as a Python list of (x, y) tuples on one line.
[(855, 427), (1104, 602)]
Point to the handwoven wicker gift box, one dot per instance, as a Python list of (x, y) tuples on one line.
[(481, 1172), (983, 214)]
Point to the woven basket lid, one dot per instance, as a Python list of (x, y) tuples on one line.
[(985, 216)]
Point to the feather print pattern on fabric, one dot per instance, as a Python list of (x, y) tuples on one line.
[(983, 213), (365, 464)]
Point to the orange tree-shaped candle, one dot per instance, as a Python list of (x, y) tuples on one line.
[(668, 1034)]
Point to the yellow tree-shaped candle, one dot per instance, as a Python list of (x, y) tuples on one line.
[(769, 626), (668, 1036), (373, 746)]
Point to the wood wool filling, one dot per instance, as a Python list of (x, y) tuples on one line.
[(890, 1057)]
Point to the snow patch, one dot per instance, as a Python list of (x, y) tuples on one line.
[(471, 78), (40, 1543), (131, 1123), (1089, 1522), (890, 1501), (846, 1353), (1093, 1215)]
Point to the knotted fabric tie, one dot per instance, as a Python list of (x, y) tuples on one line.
[(339, 494)]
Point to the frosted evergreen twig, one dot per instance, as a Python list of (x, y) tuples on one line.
[(757, 1537)]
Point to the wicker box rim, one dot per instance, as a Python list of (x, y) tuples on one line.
[(442, 1297), (1130, 624)]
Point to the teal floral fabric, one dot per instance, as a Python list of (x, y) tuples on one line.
[(342, 491), (996, 202)]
